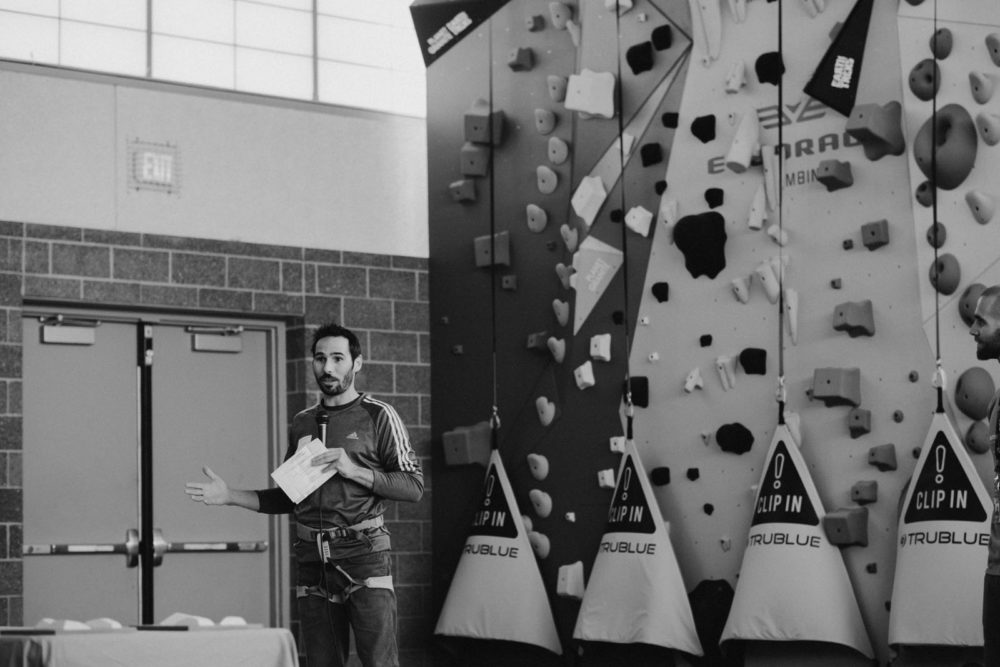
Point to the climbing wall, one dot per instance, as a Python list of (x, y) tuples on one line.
[(667, 256)]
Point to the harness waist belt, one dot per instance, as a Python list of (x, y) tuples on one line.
[(307, 533), (384, 581)]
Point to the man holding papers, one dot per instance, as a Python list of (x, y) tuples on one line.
[(347, 455)]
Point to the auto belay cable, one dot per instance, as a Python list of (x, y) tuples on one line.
[(495, 407), (780, 394)]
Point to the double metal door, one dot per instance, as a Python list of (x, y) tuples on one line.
[(119, 413)]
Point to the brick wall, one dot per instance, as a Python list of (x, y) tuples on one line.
[(383, 298)]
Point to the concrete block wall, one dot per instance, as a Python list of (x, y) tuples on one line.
[(384, 298)]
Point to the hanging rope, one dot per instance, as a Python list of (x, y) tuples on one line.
[(780, 208), (939, 371), (495, 408), (629, 407)]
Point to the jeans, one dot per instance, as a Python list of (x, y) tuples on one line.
[(991, 621), (371, 612)]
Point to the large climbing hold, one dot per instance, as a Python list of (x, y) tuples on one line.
[(467, 444), (945, 274), (854, 317), (954, 155), (941, 43), (837, 386), (973, 392), (702, 240), (834, 174), (878, 128), (924, 79), (847, 526), (483, 125), (591, 93), (746, 143)]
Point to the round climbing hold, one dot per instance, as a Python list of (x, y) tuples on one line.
[(924, 78), (977, 438), (954, 132), (925, 194), (941, 43), (936, 234), (945, 274), (973, 392)]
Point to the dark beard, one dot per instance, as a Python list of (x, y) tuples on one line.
[(341, 386)]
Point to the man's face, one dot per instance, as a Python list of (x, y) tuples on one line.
[(986, 329), (333, 367)]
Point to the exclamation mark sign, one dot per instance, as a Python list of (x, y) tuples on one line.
[(626, 480), (939, 455), (779, 469), (489, 490)]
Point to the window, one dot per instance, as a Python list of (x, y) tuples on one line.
[(357, 53)]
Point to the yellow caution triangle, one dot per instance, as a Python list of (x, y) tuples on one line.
[(497, 590), (635, 593), (789, 564), (944, 530)]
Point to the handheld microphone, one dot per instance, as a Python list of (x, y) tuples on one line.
[(322, 419)]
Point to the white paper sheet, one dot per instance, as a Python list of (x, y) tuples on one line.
[(297, 477)]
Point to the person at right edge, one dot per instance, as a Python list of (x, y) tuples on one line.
[(986, 331), (342, 546)]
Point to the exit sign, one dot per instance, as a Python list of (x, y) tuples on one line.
[(154, 166)]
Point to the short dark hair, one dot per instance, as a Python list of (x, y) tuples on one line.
[(334, 330)]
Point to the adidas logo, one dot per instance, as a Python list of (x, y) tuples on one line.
[(353, 435)]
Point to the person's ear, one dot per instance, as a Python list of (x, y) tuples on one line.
[(358, 362)]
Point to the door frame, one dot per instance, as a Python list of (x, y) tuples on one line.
[(279, 534)]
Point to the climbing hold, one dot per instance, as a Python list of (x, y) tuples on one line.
[(537, 341), (475, 159), (708, 508), (606, 478), (660, 187), (702, 240), (661, 291), (878, 128), (546, 410), (725, 365), (941, 43), (561, 309), (486, 246), (734, 438), (768, 280), (848, 244), (667, 213), (714, 197), (483, 126), (638, 219), (864, 492), (725, 543), (936, 235), (653, 357), (651, 154), (560, 12), (565, 274), (617, 444), (758, 209), (557, 87), (837, 386), (575, 32), (981, 205), (837, 283), (703, 127), (557, 347), (600, 347), (973, 392), (539, 544), (769, 163), (534, 23), (989, 127), (924, 79), (592, 93), (693, 380), (570, 237), (584, 375), (670, 120), (558, 150), (913, 376), (545, 121), (945, 274), (977, 438), (754, 361), (898, 416), (710, 16), (640, 57), (509, 282), (705, 340), (924, 194), (548, 180), (662, 37), (521, 59), (588, 198), (463, 191), (847, 526), (792, 314), (982, 85), (854, 317), (967, 304), (814, 7), (537, 218), (777, 234), (746, 143), (955, 153), (738, 8), (883, 457), (741, 289), (621, 6), (769, 68), (660, 476), (569, 582), (736, 77), (467, 444), (859, 422), (457, 350), (834, 174), (693, 474), (539, 466)]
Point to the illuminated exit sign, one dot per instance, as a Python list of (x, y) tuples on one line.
[(154, 166)]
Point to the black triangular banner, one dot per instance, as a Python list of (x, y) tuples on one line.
[(943, 491), (782, 497), (441, 24), (493, 518), (629, 511), (835, 81)]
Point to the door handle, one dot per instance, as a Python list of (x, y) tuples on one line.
[(161, 546), (130, 547)]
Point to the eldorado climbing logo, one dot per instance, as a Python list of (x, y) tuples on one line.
[(493, 518), (629, 511), (943, 491), (782, 497), (803, 111)]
